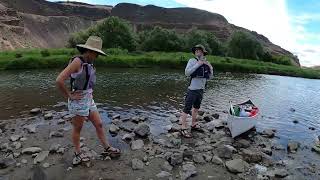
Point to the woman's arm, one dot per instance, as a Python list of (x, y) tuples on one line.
[(73, 67)]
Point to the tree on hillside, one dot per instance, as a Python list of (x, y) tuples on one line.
[(115, 33), (245, 46)]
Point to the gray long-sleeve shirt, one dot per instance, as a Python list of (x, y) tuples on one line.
[(196, 83)]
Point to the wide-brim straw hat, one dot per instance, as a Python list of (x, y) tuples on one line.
[(199, 46), (94, 43)]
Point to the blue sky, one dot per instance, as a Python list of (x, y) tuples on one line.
[(292, 24)]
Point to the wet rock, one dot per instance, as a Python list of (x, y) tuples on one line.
[(188, 154), (166, 166), (113, 129), (293, 146), (198, 158), (137, 164), (34, 155), (204, 148), (35, 111), (237, 166), (295, 121), (7, 161), (137, 144), (69, 168), (14, 138), (128, 137), (207, 118), (55, 134), (16, 154), (278, 147), (142, 130), (176, 158), (23, 139), (173, 119), (163, 174), (188, 170), (251, 156), (41, 157), (292, 109), (207, 157), (68, 117), (31, 150), (128, 126), (269, 133), (46, 165), (216, 160), (54, 148), (61, 150), (61, 121), (30, 128), (16, 145), (48, 116), (225, 151)]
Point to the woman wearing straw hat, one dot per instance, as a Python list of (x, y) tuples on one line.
[(80, 100)]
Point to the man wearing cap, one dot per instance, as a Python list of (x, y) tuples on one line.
[(82, 76), (199, 70)]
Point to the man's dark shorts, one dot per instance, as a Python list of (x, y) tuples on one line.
[(193, 99)]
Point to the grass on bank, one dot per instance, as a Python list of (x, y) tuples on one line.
[(58, 58)]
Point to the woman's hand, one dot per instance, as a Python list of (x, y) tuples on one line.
[(76, 95)]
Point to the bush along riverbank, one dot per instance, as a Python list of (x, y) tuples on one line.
[(58, 58)]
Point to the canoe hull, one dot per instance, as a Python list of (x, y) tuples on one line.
[(239, 125)]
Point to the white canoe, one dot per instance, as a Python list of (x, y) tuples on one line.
[(238, 125)]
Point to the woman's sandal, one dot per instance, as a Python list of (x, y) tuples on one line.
[(111, 151), (79, 158), (185, 133)]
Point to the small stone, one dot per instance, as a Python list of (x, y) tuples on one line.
[(54, 148), (188, 170), (61, 150), (69, 168), (16, 155), (31, 150), (166, 166), (14, 138), (30, 128), (269, 133), (198, 158), (4, 147), (137, 164), (107, 158), (41, 157), (7, 161), (137, 144), (23, 139), (128, 137), (46, 165), (260, 169), (176, 158), (225, 151), (82, 139), (142, 130), (280, 173), (163, 174), (18, 165), (293, 146), (216, 116), (295, 121), (117, 116), (175, 128), (34, 155), (16, 145), (35, 111), (292, 109), (251, 156), (147, 163), (237, 166), (55, 134), (48, 116), (61, 121), (267, 151), (145, 159), (68, 117), (242, 143), (24, 161), (216, 160), (113, 129)]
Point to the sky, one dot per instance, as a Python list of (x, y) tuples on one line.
[(291, 24)]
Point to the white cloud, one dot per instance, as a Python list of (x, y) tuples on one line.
[(270, 18)]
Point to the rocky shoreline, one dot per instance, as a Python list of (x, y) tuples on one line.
[(38, 146)]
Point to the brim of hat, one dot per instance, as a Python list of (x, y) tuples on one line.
[(194, 50), (82, 47)]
